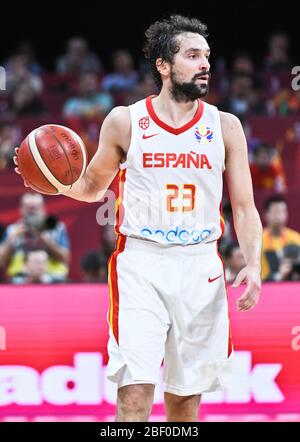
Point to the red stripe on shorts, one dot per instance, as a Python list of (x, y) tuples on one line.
[(114, 289), (113, 314), (230, 347)]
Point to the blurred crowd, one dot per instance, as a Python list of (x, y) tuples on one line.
[(280, 246), (36, 248), (80, 91)]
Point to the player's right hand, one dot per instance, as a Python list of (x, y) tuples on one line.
[(15, 158)]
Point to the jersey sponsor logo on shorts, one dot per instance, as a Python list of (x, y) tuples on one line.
[(183, 160), (213, 279), (176, 235), (144, 123), (148, 136), (203, 134)]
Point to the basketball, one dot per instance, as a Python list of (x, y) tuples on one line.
[(52, 158)]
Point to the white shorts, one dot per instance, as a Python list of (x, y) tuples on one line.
[(169, 303)]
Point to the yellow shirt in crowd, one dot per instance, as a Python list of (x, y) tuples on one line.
[(273, 243)]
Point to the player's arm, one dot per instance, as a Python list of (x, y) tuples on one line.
[(246, 219), (114, 135)]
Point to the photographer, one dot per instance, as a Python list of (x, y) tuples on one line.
[(276, 236), (35, 230), (289, 267), (35, 269)]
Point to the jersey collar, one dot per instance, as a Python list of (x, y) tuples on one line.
[(173, 130)]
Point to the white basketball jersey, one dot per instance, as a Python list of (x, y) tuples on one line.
[(171, 182)]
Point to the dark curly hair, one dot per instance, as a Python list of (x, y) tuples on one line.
[(162, 39)]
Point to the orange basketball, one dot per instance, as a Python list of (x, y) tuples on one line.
[(52, 158)]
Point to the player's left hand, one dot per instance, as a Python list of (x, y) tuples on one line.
[(250, 297)]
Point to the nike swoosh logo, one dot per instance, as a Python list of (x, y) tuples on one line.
[(213, 279), (148, 136)]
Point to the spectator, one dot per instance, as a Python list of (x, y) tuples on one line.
[(90, 102), (243, 98), (19, 73), (78, 59), (234, 261), (124, 77), (276, 235), (146, 86), (252, 141), (289, 267), (26, 50), (9, 138), (35, 269), (243, 64), (267, 174), (25, 101), (35, 230), (93, 266), (286, 102), (278, 52)]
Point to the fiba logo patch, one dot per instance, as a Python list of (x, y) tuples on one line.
[(144, 123), (203, 134)]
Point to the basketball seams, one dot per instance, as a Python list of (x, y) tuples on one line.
[(33, 158), (61, 145), (82, 148), (41, 164), (39, 189), (47, 176), (84, 154)]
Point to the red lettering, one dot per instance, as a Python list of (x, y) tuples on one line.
[(193, 159), (160, 158), (170, 157), (205, 162), (180, 161), (146, 158)]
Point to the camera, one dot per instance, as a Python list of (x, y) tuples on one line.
[(296, 267)]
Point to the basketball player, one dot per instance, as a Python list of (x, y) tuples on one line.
[(168, 296)]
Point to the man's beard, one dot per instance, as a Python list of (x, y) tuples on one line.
[(188, 91)]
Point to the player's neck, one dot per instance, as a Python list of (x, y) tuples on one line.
[(170, 111)]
